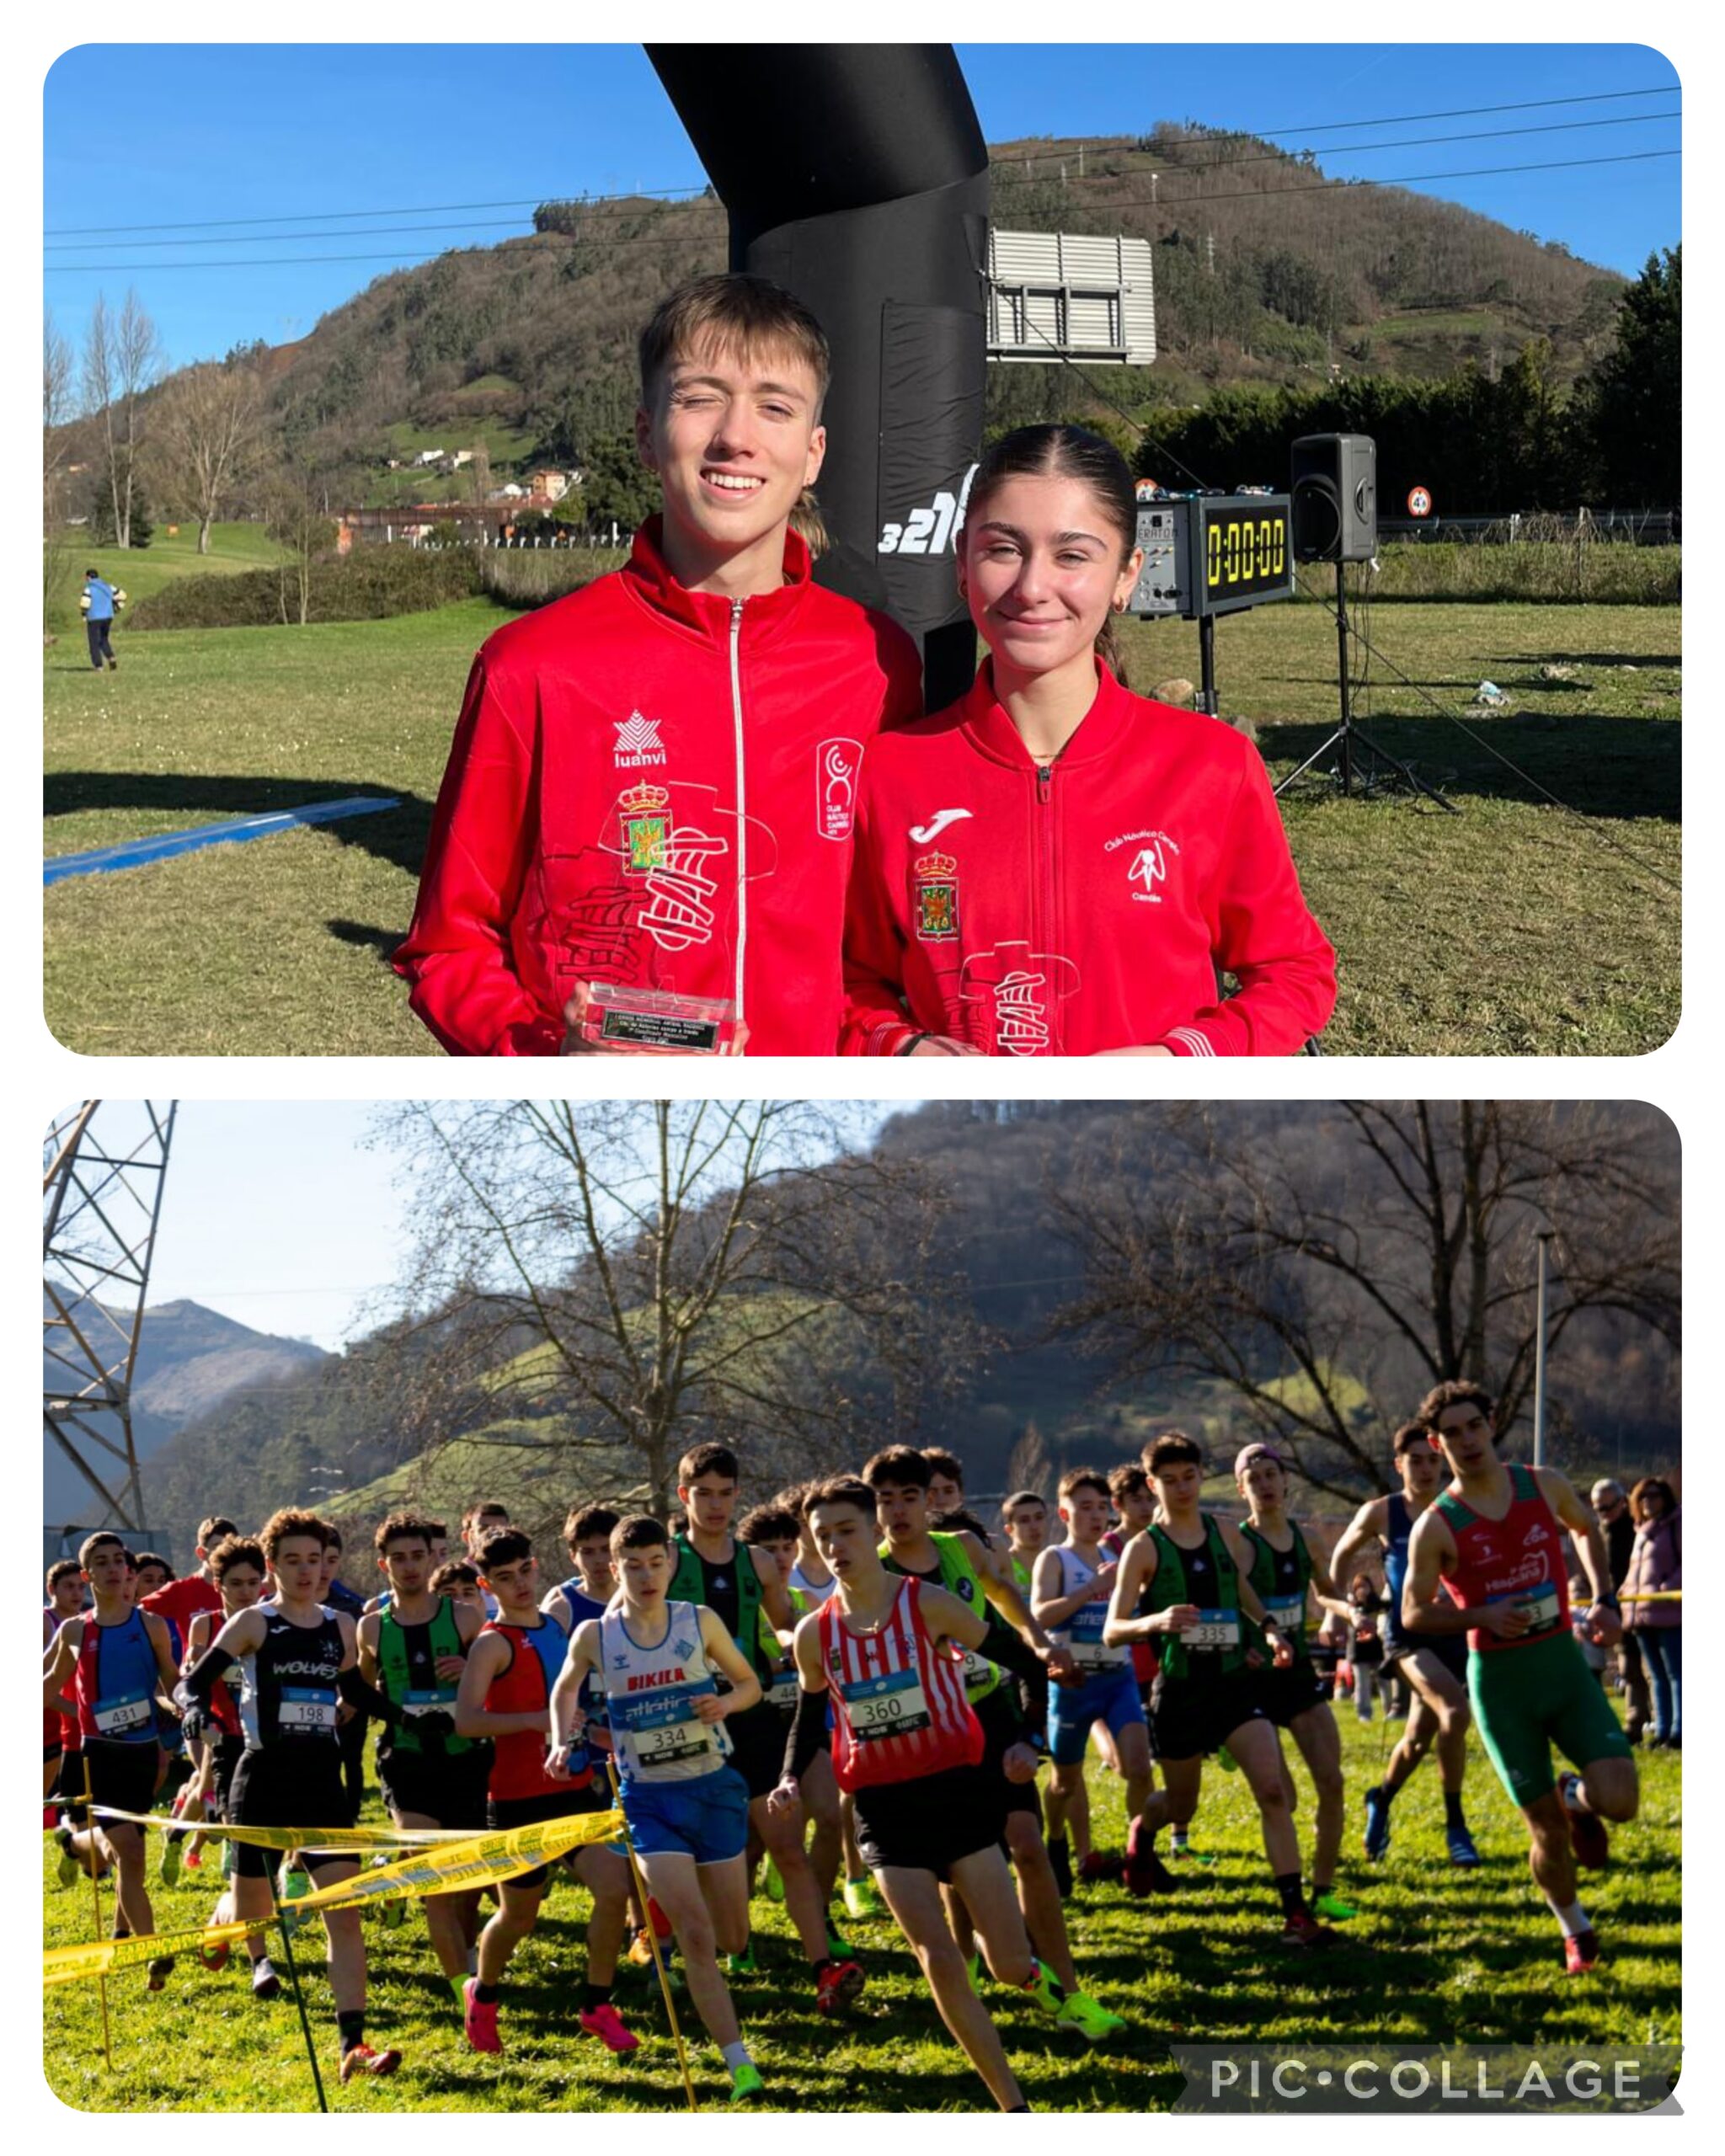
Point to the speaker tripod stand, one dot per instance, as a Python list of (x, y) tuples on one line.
[(1347, 733)]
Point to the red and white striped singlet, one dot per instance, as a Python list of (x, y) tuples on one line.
[(898, 1703)]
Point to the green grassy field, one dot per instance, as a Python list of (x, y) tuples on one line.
[(1434, 1955), (1512, 929), (141, 571)]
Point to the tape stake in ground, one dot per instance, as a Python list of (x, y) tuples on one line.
[(476, 1860)]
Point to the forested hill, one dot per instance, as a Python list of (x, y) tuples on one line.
[(1267, 269), (1030, 1398)]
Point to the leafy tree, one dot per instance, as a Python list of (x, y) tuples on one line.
[(616, 485), (1634, 397)]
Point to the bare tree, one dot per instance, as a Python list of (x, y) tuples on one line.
[(206, 436), (122, 360), (1326, 1274), (57, 368), (632, 1275), (297, 517)]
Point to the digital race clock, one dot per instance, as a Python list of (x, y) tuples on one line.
[(1213, 554)]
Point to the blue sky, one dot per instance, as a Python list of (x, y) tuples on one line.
[(280, 1214), (296, 133)]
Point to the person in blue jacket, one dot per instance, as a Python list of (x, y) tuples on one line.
[(97, 601)]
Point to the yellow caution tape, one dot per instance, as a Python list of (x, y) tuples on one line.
[(358, 1839), (478, 1861)]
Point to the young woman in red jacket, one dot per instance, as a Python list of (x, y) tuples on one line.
[(1054, 865)]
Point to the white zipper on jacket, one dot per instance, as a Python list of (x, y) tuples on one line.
[(742, 797)]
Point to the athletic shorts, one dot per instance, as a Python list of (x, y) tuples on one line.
[(53, 1744), (1527, 1699), (503, 1813), (929, 1824), (757, 1747), (230, 1750), (1000, 1730), (123, 1775), (1192, 1716), (1450, 1649), (447, 1788), (707, 1818), (1287, 1693), (1111, 1697), (295, 1783)]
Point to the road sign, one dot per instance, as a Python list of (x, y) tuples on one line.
[(1420, 501)]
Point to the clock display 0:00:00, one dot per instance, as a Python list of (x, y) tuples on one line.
[(1244, 551)]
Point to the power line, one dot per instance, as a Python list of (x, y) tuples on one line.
[(1460, 112), (1424, 141), (408, 209), (1184, 201), (693, 190), (274, 239), (1203, 200)]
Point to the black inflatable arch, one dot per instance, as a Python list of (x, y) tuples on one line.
[(856, 177)]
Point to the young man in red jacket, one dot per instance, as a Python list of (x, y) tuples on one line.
[(653, 782)]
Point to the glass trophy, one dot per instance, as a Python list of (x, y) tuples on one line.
[(655, 1021)]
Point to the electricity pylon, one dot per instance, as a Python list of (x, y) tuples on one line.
[(101, 1182)]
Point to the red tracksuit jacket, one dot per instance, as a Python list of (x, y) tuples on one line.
[(655, 788), (1063, 909)]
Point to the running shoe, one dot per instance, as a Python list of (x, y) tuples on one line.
[(1377, 1824), (640, 1954), (772, 1885), (1587, 1831), (1059, 1857), (1045, 1992), (265, 1983), (1329, 1904), (1182, 1852), (394, 1912), (862, 1898), (195, 1859), (1460, 1843), (838, 1946), (1094, 2023), (743, 1964), (747, 2085), (606, 2023), (1102, 1865), (361, 2059), (65, 1869), (173, 1859), (973, 1969), (479, 2018), (157, 1971), (215, 1958), (1303, 1930), (1144, 1872), (838, 1983), (1226, 1761), (1580, 1952)]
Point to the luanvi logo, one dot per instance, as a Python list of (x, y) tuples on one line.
[(638, 742), (930, 527)]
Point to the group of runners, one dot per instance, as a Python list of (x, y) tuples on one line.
[(844, 1694)]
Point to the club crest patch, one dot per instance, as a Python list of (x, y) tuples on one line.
[(644, 815), (935, 893)]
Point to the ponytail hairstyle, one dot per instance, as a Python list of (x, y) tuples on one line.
[(1056, 449)]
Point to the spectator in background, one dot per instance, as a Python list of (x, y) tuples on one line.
[(1612, 1507), (1655, 1567), (97, 602), (1365, 1650)]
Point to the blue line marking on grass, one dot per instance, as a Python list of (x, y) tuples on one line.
[(133, 853)]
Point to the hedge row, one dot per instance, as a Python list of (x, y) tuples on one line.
[(370, 585)]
